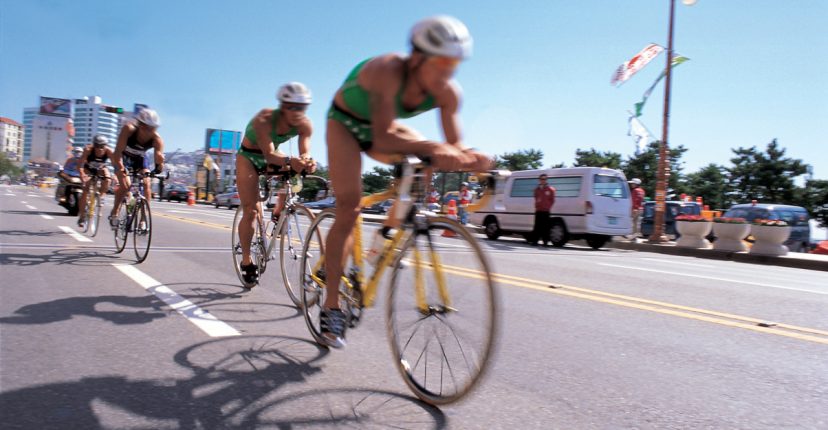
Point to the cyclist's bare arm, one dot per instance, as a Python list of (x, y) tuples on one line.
[(117, 155), (158, 146), (82, 163)]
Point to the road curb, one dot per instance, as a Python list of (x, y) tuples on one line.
[(798, 261)]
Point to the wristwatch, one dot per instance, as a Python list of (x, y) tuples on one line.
[(287, 161)]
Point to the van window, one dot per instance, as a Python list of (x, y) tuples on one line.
[(610, 186), (566, 186), (524, 187)]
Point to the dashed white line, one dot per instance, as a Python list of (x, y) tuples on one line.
[(75, 235), (714, 278), (46, 216), (31, 207), (661, 260), (201, 318)]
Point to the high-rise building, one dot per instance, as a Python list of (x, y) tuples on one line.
[(93, 118), (28, 117), (11, 139)]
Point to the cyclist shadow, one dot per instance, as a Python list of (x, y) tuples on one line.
[(209, 297), (42, 233), (76, 257), (235, 383), (36, 212), (66, 309)]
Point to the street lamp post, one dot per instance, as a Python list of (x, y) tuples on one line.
[(663, 171)]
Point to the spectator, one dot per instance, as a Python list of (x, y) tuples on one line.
[(433, 200), (465, 197), (544, 199), (637, 205)]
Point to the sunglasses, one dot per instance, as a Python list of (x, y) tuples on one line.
[(447, 63), (296, 108)]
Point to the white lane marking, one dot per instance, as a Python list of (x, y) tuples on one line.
[(31, 207), (47, 216), (661, 260), (714, 278), (10, 194), (201, 318), (24, 202), (32, 195), (77, 236)]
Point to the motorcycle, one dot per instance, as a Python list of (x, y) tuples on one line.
[(68, 192)]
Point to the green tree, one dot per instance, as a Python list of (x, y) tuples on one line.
[(815, 199), (377, 180), (765, 176), (7, 167), (645, 165), (558, 166), (593, 158), (520, 160), (711, 184)]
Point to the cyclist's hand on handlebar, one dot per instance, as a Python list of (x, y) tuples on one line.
[(449, 158), (298, 164), (481, 163), (310, 164)]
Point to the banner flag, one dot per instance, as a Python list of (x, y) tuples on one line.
[(639, 133), (631, 67), (678, 59)]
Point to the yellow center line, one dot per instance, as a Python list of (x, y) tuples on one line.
[(722, 318)]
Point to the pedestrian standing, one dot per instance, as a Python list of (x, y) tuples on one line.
[(544, 199), (637, 205), (465, 197)]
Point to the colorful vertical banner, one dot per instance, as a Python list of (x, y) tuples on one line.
[(635, 64), (678, 59)]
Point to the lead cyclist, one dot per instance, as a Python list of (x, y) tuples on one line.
[(363, 118)]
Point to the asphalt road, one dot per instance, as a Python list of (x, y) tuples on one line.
[(590, 339)]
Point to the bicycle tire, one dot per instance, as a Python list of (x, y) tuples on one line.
[(121, 231), (142, 230), (437, 330), (94, 220), (255, 249), (291, 243)]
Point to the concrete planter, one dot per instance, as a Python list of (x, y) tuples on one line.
[(693, 234), (769, 239), (729, 236)]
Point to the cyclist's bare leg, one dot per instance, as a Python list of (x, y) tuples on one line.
[(120, 192), (280, 206), (346, 177), (247, 184), (104, 184), (147, 189)]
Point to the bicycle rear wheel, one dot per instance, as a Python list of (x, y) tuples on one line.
[(442, 350), (258, 249), (292, 241), (142, 230), (122, 229)]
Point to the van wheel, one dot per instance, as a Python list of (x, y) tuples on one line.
[(558, 234), (596, 241), (492, 229)]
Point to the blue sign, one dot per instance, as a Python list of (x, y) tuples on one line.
[(222, 141)]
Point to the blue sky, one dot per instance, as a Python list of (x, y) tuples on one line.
[(539, 77)]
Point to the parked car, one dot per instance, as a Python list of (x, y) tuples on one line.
[(229, 198), (175, 192), (673, 209), (591, 203), (380, 208), (795, 216), (327, 202)]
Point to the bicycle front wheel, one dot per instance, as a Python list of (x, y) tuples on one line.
[(142, 230), (292, 241), (257, 245), (123, 228), (94, 219), (442, 312)]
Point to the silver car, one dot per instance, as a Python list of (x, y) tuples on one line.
[(229, 198)]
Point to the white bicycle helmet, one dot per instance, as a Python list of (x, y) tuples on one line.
[(442, 35), (99, 140), (148, 117), (294, 92), (77, 151)]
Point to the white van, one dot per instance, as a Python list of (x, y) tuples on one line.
[(590, 203)]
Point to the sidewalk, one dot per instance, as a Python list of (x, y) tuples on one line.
[(793, 259)]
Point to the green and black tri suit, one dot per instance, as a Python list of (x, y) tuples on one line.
[(255, 155)]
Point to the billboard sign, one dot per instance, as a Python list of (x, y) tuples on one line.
[(221, 141), (55, 107)]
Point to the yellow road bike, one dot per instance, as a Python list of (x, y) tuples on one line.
[(442, 302)]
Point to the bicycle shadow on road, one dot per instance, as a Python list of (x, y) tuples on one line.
[(41, 233), (521, 245), (209, 297), (73, 256), (237, 382), (37, 212), (66, 309)]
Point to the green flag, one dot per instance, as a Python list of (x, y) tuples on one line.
[(678, 59)]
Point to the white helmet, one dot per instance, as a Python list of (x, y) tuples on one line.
[(148, 117), (99, 140), (294, 92), (442, 35), (635, 181), (77, 151)]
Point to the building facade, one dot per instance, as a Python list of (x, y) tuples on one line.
[(11, 139), (28, 118), (93, 118)]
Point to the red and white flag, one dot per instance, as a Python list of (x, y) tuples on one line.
[(631, 67)]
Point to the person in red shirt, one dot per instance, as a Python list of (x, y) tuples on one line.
[(637, 205), (544, 199), (465, 196)]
